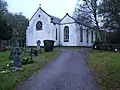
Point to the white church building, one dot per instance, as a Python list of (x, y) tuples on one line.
[(65, 32)]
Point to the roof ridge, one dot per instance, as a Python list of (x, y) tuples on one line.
[(54, 16), (56, 19)]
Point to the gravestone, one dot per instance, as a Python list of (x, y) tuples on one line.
[(38, 46), (16, 53), (27, 51), (17, 59)]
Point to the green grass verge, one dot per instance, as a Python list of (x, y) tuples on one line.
[(10, 80), (106, 66)]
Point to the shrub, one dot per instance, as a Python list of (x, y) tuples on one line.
[(96, 44), (6, 67), (48, 45), (3, 48), (26, 61), (108, 47)]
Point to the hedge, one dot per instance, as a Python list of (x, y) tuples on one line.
[(108, 47), (48, 45)]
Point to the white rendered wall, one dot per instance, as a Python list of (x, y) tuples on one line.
[(67, 21), (48, 31), (84, 43)]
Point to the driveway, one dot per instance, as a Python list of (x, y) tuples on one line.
[(69, 71)]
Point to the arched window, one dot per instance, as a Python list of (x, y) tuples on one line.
[(81, 34), (92, 37), (56, 34), (39, 26), (66, 34), (87, 36)]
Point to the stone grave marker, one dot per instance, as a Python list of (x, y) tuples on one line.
[(38, 46), (17, 59)]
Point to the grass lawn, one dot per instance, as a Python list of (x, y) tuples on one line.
[(106, 66), (8, 81)]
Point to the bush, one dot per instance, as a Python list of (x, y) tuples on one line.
[(3, 49), (6, 67), (108, 47), (48, 45), (3, 46), (96, 43), (26, 61)]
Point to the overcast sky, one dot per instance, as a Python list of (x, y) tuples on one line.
[(56, 8)]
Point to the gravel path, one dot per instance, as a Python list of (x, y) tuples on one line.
[(69, 71)]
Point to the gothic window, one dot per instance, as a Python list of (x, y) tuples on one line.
[(87, 34), (39, 26), (56, 33), (66, 34), (91, 36), (81, 34)]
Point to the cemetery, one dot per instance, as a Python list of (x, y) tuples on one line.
[(17, 63)]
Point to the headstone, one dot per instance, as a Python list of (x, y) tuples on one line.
[(27, 51), (38, 46), (35, 54), (17, 59)]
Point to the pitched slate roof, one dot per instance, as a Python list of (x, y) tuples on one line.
[(55, 19)]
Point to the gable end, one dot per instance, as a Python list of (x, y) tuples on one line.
[(68, 16), (53, 18)]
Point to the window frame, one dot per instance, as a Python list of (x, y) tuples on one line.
[(56, 34), (81, 34), (40, 27), (87, 36), (92, 36), (66, 34)]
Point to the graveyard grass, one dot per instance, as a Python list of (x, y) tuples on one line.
[(10, 80), (106, 68)]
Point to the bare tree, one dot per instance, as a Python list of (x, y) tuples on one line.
[(87, 12)]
